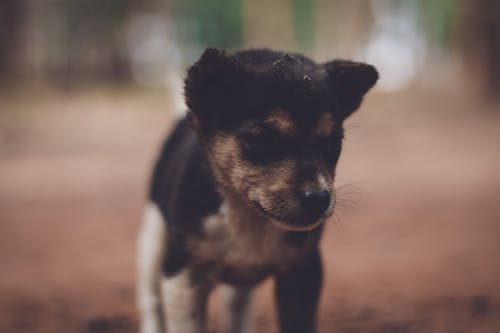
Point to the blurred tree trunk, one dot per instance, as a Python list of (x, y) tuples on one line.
[(342, 27), (481, 42), (11, 22), (268, 24), (64, 40)]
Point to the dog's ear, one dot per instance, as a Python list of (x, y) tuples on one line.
[(211, 83), (351, 81)]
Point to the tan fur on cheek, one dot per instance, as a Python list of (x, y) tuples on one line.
[(274, 191), (223, 154), (270, 186), (230, 170)]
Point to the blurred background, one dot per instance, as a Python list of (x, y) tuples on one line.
[(89, 89)]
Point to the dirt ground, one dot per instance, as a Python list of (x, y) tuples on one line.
[(416, 247)]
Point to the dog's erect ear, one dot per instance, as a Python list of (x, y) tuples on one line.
[(210, 82), (351, 80)]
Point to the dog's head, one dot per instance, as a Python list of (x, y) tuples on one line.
[(271, 126)]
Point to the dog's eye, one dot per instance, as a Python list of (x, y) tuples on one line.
[(263, 148), (260, 142)]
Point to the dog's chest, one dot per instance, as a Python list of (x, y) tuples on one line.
[(242, 248)]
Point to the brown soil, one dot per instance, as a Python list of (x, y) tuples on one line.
[(416, 247)]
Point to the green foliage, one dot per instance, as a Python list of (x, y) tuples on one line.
[(303, 23), (216, 23), (438, 19)]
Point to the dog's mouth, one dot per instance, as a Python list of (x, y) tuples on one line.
[(292, 224)]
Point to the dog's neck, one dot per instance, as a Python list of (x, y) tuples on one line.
[(244, 214)]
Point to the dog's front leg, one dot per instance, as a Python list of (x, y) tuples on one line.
[(184, 303), (238, 299), (297, 293)]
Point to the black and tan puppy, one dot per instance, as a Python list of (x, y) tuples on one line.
[(243, 185)]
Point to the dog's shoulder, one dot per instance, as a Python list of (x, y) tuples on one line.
[(182, 185)]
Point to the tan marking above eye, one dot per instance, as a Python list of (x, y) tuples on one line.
[(281, 121), (325, 124)]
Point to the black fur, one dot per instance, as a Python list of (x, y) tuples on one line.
[(184, 190), (297, 293), (225, 89), (230, 94)]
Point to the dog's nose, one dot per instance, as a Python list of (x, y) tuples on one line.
[(316, 202)]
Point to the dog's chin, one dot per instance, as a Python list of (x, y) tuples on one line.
[(291, 225), (297, 227)]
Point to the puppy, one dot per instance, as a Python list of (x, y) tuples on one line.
[(243, 186)]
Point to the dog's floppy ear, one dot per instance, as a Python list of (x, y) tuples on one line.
[(210, 82), (350, 80)]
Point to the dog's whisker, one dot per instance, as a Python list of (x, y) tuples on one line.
[(337, 220)]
